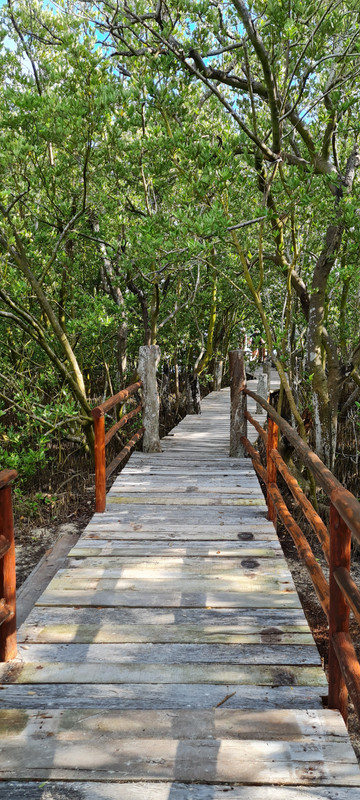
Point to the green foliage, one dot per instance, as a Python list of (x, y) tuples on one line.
[(123, 172)]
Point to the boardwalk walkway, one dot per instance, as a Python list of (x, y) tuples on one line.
[(170, 659)]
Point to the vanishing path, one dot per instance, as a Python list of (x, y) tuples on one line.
[(170, 659)]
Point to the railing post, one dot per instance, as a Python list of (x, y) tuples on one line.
[(149, 357), (8, 647), (218, 373), (272, 443), (262, 391), (238, 422), (340, 555), (267, 373), (100, 464)]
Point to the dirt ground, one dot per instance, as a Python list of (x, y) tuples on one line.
[(35, 537)]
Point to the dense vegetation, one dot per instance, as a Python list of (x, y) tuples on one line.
[(177, 173)]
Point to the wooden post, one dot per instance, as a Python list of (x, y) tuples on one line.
[(149, 357), (267, 372), (8, 647), (100, 464), (340, 554), (238, 423), (272, 443), (218, 373), (262, 391)]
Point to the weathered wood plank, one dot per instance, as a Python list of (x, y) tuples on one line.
[(218, 654), (183, 500), (179, 485), (191, 477), (264, 772), (82, 633), (149, 547), (174, 566), (160, 582), (181, 460), (246, 516), (243, 572), (183, 536), (265, 762), (204, 515), (168, 791), (271, 565), (117, 672), (273, 725), (184, 598), (114, 528), (224, 619), (186, 470), (43, 695), (150, 625), (243, 492)]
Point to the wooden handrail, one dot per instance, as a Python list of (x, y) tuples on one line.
[(116, 399), (302, 545), (7, 476), (349, 590), (349, 665), (8, 647), (102, 439), (109, 435), (280, 508), (340, 594), (345, 502), (124, 452), (311, 515), (257, 427)]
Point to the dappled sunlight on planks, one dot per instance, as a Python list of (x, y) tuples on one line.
[(170, 659)]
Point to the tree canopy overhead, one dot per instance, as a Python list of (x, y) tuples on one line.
[(173, 173)]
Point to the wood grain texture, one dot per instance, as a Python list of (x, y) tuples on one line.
[(197, 697), (272, 725), (165, 745), (185, 597), (116, 528), (250, 620), (171, 654), (82, 633), (149, 547), (186, 761), (117, 672), (76, 790)]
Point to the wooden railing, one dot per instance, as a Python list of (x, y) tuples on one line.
[(339, 594), (102, 439), (8, 647)]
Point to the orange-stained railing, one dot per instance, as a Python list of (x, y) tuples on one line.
[(102, 439), (340, 594), (8, 647)]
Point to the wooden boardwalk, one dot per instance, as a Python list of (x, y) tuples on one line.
[(170, 659)]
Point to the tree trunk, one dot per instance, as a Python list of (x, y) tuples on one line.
[(218, 373), (111, 287), (193, 393), (165, 389), (149, 357)]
